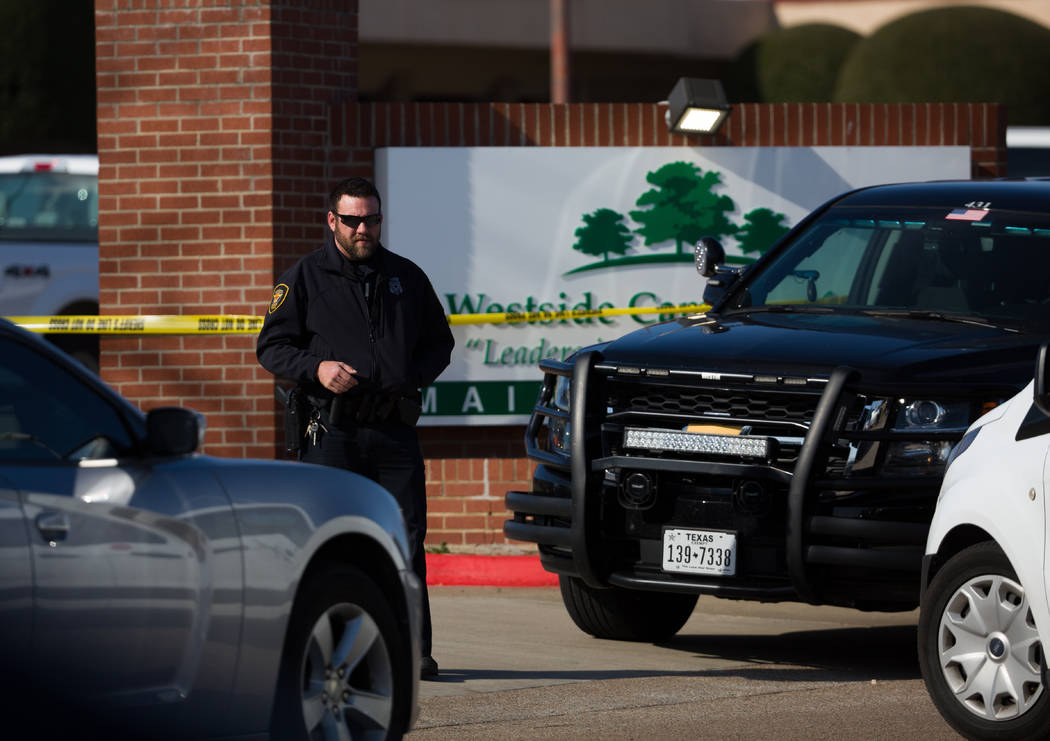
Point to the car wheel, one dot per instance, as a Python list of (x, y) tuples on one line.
[(979, 650), (625, 614), (345, 671)]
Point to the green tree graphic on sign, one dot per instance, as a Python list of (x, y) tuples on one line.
[(681, 207), (684, 208), (603, 232), (761, 229)]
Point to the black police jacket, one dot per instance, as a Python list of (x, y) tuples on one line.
[(398, 342)]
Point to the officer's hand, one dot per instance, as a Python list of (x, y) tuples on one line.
[(336, 376)]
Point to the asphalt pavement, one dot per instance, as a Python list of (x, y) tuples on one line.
[(514, 666)]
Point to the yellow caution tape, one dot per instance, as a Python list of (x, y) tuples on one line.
[(548, 316), (238, 324), (159, 324)]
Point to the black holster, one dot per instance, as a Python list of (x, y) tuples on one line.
[(408, 410), (296, 412)]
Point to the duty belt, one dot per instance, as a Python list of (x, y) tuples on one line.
[(369, 408)]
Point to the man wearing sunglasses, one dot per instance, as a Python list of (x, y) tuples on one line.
[(360, 332)]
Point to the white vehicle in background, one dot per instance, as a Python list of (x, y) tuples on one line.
[(49, 242), (985, 592)]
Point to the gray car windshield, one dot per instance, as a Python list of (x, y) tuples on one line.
[(991, 266)]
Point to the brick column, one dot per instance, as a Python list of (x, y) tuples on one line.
[(212, 136)]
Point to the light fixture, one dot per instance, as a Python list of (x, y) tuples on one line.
[(696, 106)]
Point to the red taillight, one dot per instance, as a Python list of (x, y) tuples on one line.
[(42, 166)]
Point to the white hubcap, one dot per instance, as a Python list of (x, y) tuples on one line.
[(989, 648)]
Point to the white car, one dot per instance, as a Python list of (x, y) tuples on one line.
[(985, 592), (49, 242)]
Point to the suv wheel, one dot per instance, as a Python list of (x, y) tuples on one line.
[(979, 649), (345, 671), (625, 614)]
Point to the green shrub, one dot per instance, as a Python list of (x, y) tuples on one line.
[(959, 54), (791, 65)]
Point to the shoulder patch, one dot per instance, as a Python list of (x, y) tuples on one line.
[(280, 293)]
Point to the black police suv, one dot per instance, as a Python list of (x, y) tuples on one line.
[(789, 443)]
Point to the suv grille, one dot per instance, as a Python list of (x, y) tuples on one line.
[(785, 413), (738, 403)]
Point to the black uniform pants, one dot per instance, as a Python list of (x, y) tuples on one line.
[(389, 454)]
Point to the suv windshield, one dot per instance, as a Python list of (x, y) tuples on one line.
[(48, 206), (991, 265)]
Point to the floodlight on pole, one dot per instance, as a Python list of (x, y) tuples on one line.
[(696, 106)]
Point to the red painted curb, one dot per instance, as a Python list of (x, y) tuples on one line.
[(456, 569)]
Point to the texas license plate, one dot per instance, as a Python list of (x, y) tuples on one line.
[(710, 552)]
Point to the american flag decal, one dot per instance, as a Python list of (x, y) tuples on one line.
[(967, 214)]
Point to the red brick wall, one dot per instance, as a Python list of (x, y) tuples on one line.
[(358, 129), (470, 468), (314, 61), (222, 125)]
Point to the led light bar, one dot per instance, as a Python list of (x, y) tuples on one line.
[(696, 442)]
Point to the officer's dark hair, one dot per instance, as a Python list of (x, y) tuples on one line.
[(355, 188)]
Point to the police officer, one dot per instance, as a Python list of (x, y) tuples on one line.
[(360, 330)]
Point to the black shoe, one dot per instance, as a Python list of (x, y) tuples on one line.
[(428, 668)]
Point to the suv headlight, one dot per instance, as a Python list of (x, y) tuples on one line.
[(924, 457), (931, 414), (914, 416), (560, 428)]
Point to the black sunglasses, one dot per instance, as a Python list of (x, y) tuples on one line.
[(355, 221)]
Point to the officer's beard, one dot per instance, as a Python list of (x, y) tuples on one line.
[(357, 247)]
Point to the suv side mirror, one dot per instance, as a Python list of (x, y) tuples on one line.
[(1042, 380), (174, 431)]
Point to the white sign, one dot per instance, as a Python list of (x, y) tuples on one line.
[(518, 229)]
